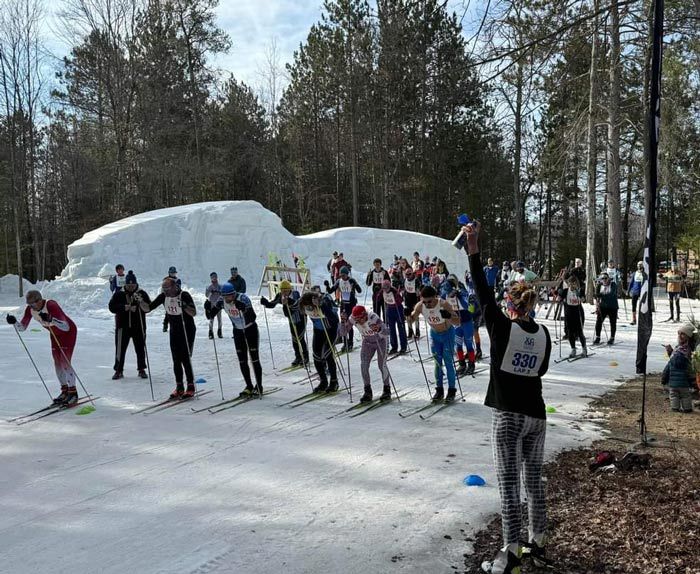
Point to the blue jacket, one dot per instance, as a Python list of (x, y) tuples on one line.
[(491, 273), (678, 373), (636, 286)]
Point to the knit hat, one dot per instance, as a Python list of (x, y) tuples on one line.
[(358, 311), (688, 330), (172, 269), (130, 278), (344, 271), (284, 284)]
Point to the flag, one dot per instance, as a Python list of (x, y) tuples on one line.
[(646, 299)]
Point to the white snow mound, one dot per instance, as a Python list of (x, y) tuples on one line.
[(215, 236)]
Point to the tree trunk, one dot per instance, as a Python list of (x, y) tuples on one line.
[(517, 152), (591, 270), (613, 150)]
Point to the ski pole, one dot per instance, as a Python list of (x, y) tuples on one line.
[(145, 348), (391, 379), (333, 351), (218, 369), (269, 340), (21, 340), (558, 335), (347, 356), (58, 344), (690, 307), (189, 349), (306, 364), (422, 366)]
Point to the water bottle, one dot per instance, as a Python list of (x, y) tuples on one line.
[(461, 238)]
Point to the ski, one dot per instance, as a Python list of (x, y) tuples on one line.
[(54, 406), (316, 397), (557, 361), (577, 357), (314, 376), (406, 414), (53, 411), (441, 407), (301, 398), (173, 402), (376, 403), (213, 410), (288, 370), (397, 355)]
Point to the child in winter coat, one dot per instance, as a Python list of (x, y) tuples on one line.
[(678, 374)]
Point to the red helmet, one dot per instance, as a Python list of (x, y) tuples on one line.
[(359, 311)]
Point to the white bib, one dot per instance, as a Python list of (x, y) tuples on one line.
[(389, 298), (432, 316), (173, 306), (345, 289), (525, 352), (232, 310), (572, 298), (377, 277), (120, 280), (410, 285)]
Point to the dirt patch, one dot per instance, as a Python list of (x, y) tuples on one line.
[(638, 520)]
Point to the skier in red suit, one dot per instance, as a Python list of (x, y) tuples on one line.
[(62, 332)]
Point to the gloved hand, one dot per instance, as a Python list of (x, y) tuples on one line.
[(445, 314), (11, 319), (45, 317), (343, 316), (127, 308), (207, 305), (264, 300), (219, 305), (376, 327), (240, 305), (137, 297)]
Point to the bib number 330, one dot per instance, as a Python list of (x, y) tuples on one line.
[(524, 361)]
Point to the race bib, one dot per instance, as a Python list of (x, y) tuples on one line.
[(525, 352), (121, 280), (432, 316), (389, 298), (572, 298), (233, 312), (345, 290), (173, 306), (377, 277), (410, 286)]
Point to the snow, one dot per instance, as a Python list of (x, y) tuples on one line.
[(261, 487)]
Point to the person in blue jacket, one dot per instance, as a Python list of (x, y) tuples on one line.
[(635, 288), (458, 297), (492, 272)]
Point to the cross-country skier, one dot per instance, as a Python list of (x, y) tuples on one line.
[(329, 265), (289, 299), (478, 317), (320, 309), (440, 273), (674, 286), (237, 281), (375, 277), (521, 273), (62, 333), (339, 264), (638, 279), (172, 273), (392, 302), (606, 306), (213, 295), (345, 288), (180, 310), (441, 319), (570, 294), (246, 336), (116, 282), (374, 334), (465, 306), (520, 351), (410, 289), (131, 325)]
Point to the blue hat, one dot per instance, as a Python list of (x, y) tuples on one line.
[(344, 271), (227, 289)]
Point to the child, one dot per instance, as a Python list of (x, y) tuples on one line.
[(678, 374)]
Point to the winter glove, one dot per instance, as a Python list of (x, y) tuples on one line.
[(45, 317), (445, 314), (240, 305), (376, 327), (207, 305), (219, 305), (11, 319), (137, 297), (264, 301)]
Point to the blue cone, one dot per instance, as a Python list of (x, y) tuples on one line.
[(200, 381), (474, 480)]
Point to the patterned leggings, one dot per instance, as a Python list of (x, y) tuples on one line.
[(519, 439)]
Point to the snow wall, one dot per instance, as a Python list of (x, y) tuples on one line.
[(215, 236)]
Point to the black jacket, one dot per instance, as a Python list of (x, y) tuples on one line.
[(135, 319)]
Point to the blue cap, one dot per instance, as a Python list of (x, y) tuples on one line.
[(227, 289)]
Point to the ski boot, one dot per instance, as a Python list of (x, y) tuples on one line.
[(247, 392), (367, 397), (479, 354), (386, 393), (332, 386), (190, 392), (611, 341), (142, 374), (507, 561), (596, 341), (416, 335), (322, 387), (211, 333), (584, 349), (403, 351), (572, 354), (165, 327), (439, 394), (410, 333), (219, 333), (178, 392), (71, 397), (258, 392), (59, 400), (471, 367), (297, 362), (392, 352), (117, 375), (462, 369), (451, 394), (536, 553), (343, 349)]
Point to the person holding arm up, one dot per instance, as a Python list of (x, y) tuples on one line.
[(520, 352)]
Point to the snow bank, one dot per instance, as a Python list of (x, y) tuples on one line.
[(215, 236)]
